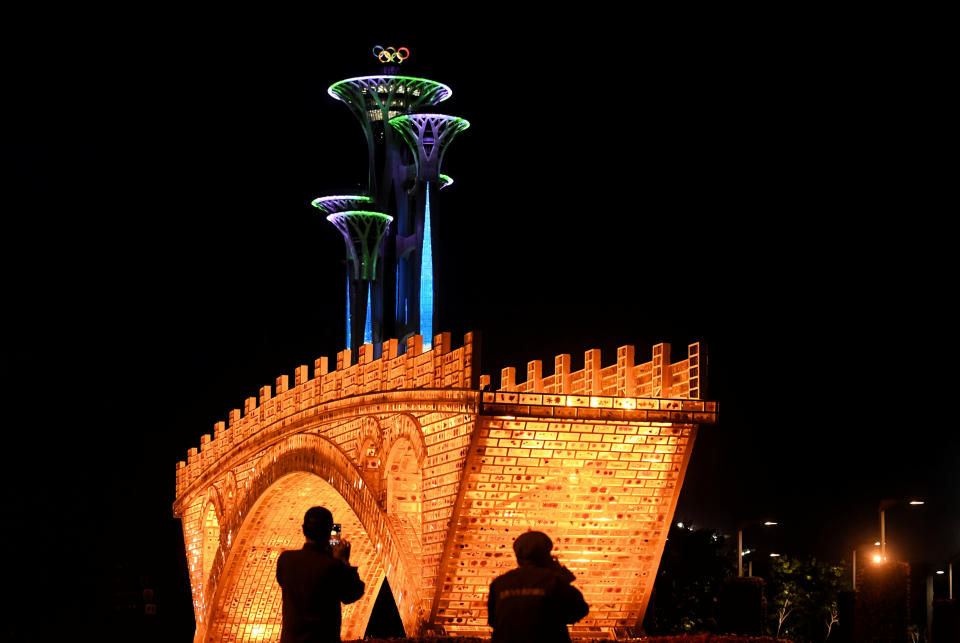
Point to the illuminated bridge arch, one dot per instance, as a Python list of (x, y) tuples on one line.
[(300, 472), (432, 480)]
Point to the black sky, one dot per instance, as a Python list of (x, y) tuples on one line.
[(781, 197)]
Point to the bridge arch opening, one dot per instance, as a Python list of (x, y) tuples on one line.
[(210, 526), (248, 605), (404, 493), (370, 467)]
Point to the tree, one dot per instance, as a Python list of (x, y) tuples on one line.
[(688, 582), (808, 590)]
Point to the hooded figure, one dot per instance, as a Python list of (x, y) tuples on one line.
[(535, 602)]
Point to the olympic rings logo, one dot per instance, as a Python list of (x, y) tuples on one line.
[(391, 54)]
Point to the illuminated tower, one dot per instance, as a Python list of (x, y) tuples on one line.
[(428, 136), (400, 179), (432, 474), (363, 232)]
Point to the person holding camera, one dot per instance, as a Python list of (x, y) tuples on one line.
[(534, 602), (315, 580)]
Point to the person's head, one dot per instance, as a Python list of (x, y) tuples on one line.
[(533, 547), (317, 523)]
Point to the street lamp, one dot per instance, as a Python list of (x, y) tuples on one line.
[(884, 505), (740, 527)]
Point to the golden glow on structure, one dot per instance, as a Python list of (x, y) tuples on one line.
[(211, 538), (249, 605), (404, 495), (432, 481)]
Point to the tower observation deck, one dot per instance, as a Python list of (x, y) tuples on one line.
[(403, 164)]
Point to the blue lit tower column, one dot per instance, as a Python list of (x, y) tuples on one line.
[(363, 231), (374, 100), (337, 204), (428, 136), (402, 180)]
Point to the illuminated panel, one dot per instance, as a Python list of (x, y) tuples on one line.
[(426, 278)]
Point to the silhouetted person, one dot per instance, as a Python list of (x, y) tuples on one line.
[(534, 603), (315, 580)]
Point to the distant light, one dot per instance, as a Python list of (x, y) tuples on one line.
[(680, 525), (940, 571), (747, 551), (877, 544), (916, 502), (774, 555), (876, 558), (769, 523)]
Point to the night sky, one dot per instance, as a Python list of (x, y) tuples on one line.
[(781, 198)]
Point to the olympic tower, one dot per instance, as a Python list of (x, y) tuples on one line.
[(388, 232)]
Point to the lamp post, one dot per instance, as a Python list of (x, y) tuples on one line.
[(950, 563), (740, 527), (884, 505)]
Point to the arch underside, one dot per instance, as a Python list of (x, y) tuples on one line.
[(249, 608), (303, 472), (350, 449)]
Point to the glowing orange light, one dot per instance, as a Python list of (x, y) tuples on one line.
[(877, 558), (397, 442)]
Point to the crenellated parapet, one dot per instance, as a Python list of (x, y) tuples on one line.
[(655, 378), (441, 367)]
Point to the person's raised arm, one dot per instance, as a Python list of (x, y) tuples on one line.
[(570, 603), (351, 587)]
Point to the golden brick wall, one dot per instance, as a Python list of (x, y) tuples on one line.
[(604, 491), (404, 446)]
